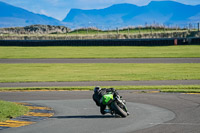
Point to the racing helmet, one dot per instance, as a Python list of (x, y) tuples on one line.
[(97, 88), (112, 89)]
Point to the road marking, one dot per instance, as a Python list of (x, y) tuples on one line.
[(34, 112), (23, 104), (190, 124), (153, 91), (192, 93), (39, 114), (146, 91), (15, 123), (38, 108)]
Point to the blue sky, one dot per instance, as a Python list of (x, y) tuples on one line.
[(59, 8)]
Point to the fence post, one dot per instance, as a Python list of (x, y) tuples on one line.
[(175, 41), (139, 30), (198, 27), (117, 30), (128, 31)]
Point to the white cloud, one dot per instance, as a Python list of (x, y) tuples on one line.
[(44, 12)]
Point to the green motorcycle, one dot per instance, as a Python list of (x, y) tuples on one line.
[(116, 105)]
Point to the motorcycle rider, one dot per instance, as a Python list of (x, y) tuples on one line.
[(98, 94)]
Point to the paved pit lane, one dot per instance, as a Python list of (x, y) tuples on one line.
[(83, 116)]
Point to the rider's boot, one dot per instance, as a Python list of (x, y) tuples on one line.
[(107, 111)]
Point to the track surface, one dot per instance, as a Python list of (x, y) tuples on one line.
[(121, 60), (75, 113), (102, 83), (185, 107)]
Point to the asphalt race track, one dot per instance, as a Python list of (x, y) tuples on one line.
[(82, 116), (108, 60), (101, 83), (75, 112)]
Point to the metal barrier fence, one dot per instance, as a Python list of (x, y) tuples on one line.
[(105, 42)]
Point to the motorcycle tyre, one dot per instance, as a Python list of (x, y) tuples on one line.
[(118, 110)]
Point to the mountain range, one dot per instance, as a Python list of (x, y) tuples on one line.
[(11, 16), (119, 15), (162, 12)]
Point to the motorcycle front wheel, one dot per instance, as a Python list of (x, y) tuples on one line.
[(118, 110)]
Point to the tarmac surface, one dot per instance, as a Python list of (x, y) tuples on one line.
[(108, 60), (76, 112), (101, 83)]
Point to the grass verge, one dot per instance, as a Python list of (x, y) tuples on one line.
[(10, 110), (164, 88), (97, 72), (122, 31), (101, 52)]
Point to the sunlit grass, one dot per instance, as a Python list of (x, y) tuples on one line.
[(11, 110), (97, 72), (101, 52)]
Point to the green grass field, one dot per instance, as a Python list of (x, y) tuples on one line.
[(100, 52), (97, 72), (11, 110), (123, 31), (101, 72)]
